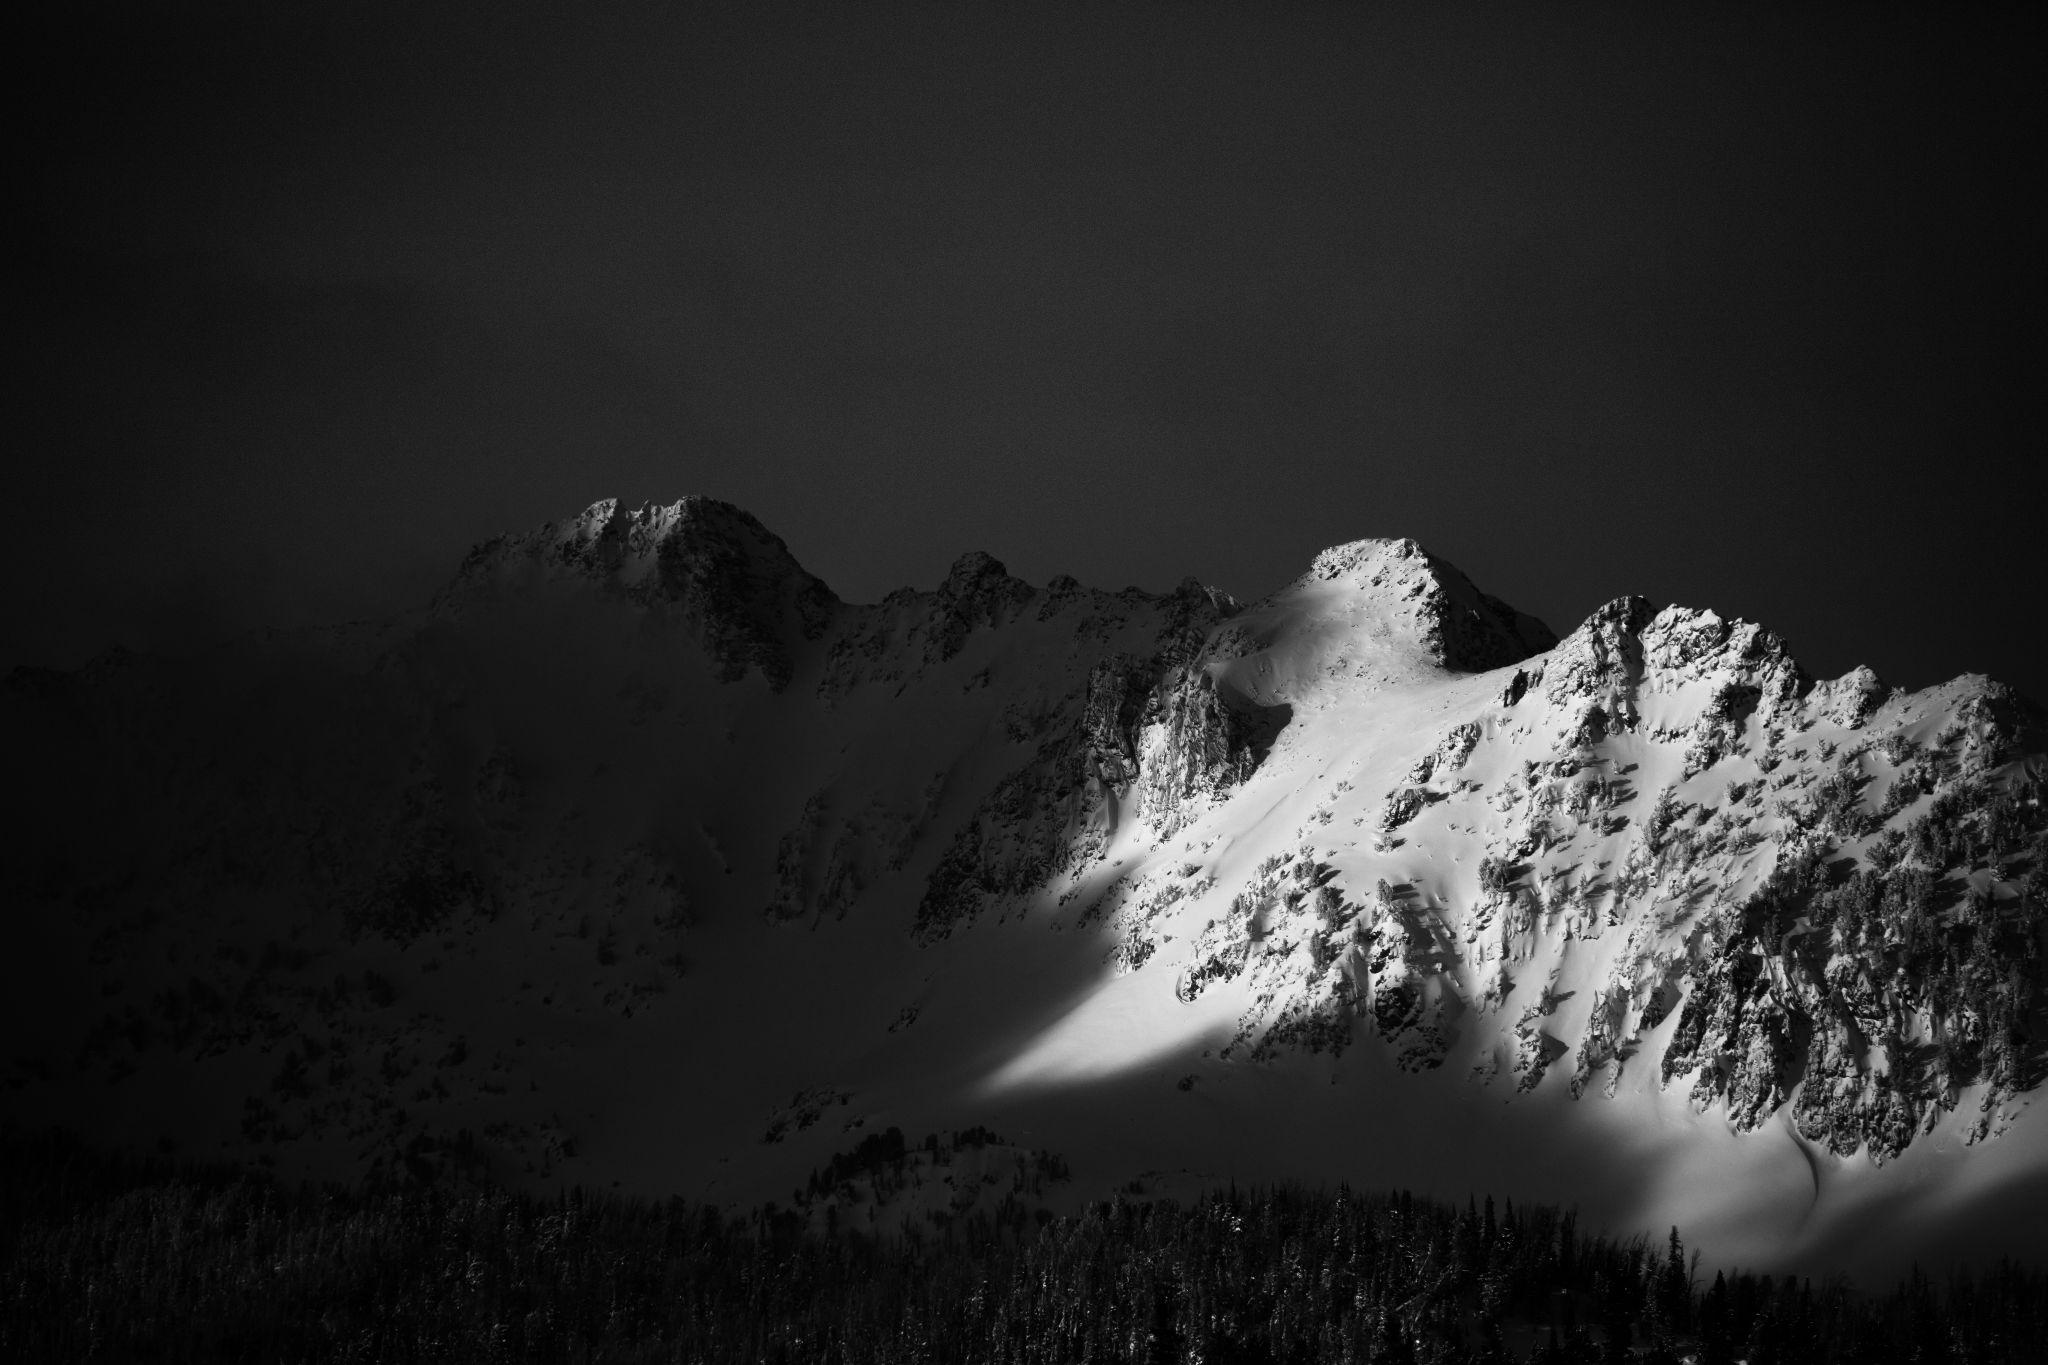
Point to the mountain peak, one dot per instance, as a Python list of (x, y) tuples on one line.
[(1364, 558), (1383, 611), (711, 561), (1454, 625), (974, 573)]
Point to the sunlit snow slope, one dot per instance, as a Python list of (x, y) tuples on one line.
[(640, 858)]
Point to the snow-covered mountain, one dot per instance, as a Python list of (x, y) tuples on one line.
[(640, 858)]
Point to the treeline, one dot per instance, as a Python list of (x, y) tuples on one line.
[(111, 1261)]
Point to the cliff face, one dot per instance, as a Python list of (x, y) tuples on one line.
[(640, 807), (1143, 739)]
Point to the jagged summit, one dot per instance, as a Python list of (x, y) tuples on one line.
[(1628, 648)]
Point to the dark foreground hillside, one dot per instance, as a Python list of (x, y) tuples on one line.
[(102, 1259)]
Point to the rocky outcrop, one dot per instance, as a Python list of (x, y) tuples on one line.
[(1112, 713), (1882, 992), (1601, 662), (1849, 700), (1197, 744), (1150, 738)]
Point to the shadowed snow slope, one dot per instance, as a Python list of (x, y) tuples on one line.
[(640, 857)]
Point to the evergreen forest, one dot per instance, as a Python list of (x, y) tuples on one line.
[(116, 1259)]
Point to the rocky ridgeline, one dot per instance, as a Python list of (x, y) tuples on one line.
[(911, 631), (755, 609), (1074, 676), (1842, 892), (1891, 957), (1655, 843)]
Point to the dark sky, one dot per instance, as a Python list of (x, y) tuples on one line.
[(1732, 309)]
